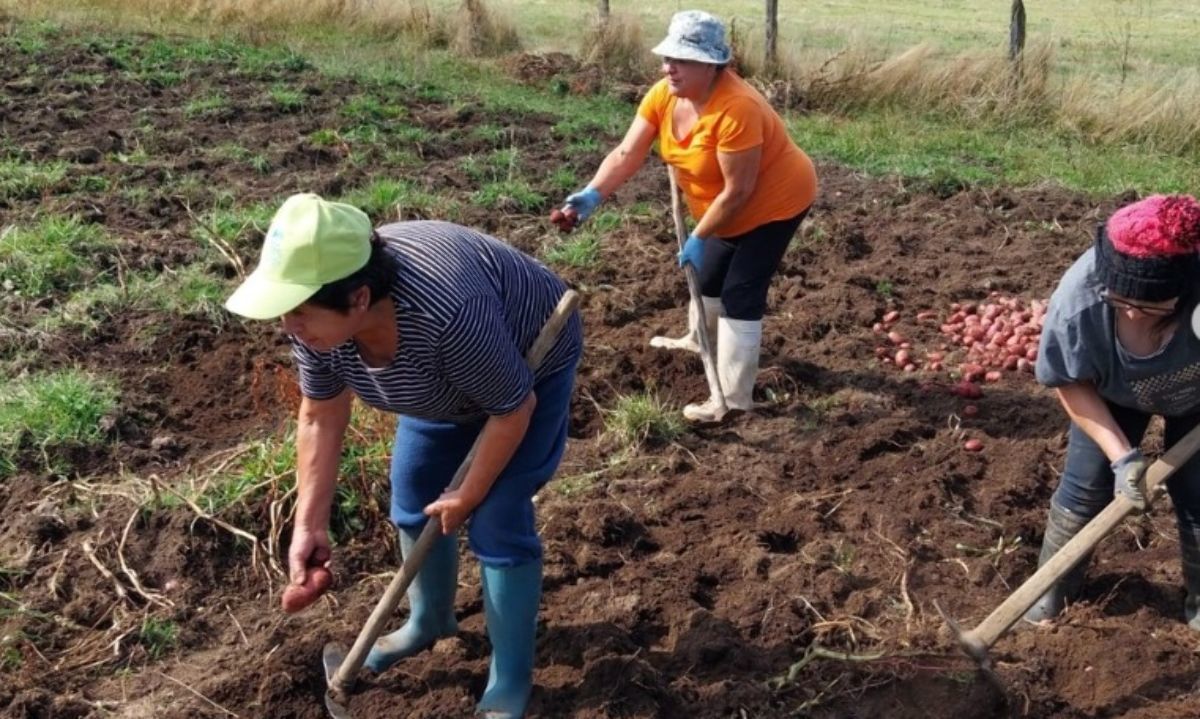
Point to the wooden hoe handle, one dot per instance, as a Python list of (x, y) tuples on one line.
[(693, 283), (977, 641), (344, 678)]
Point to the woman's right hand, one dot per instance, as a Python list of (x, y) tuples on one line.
[(577, 208)]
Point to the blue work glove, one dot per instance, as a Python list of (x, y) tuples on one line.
[(1130, 473), (584, 202), (692, 252)]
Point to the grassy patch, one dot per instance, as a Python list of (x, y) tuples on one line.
[(509, 196), (644, 418), (55, 254), (943, 154), (287, 99), (189, 291), (208, 105), (50, 411), (21, 180), (579, 250), (393, 199), (158, 636)]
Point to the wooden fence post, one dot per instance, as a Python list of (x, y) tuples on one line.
[(772, 56), (1016, 39)]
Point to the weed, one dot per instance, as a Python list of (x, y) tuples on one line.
[(260, 164), (581, 250), (209, 105), (370, 109), (325, 137), (884, 288), (51, 255), (509, 196), (158, 636), (483, 33), (390, 199), (27, 180), (564, 179), (51, 410), (643, 418), (287, 99)]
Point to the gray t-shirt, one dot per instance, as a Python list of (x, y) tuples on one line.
[(1079, 344)]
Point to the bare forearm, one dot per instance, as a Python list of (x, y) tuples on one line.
[(723, 209), (319, 437), (1088, 410), (618, 166), (499, 439)]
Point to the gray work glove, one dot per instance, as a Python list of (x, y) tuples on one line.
[(1130, 473)]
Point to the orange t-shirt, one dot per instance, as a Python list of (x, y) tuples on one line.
[(736, 117)]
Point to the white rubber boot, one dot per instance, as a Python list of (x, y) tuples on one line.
[(738, 347), (690, 342)]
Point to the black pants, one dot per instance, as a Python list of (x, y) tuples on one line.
[(739, 269)]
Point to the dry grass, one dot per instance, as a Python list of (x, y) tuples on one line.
[(617, 45), (482, 33)]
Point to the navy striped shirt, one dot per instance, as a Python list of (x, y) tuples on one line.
[(467, 308)]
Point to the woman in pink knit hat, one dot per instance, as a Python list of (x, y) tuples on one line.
[(1119, 347)]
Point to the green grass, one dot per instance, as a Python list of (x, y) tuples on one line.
[(509, 196), (575, 251), (941, 152), (52, 410), (20, 180), (240, 228), (54, 254), (158, 636), (208, 105), (390, 199), (639, 419), (270, 463), (287, 99), (188, 291)]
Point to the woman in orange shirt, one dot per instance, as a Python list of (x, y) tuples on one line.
[(747, 186)]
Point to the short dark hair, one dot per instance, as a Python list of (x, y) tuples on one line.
[(377, 276)]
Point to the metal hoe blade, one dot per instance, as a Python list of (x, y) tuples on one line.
[(332, 657)]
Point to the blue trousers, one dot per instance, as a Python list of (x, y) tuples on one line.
[(501, 531), (1087, 481)]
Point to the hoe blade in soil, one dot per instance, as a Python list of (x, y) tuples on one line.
[(332, 657)]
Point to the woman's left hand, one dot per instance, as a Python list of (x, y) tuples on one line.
[(452, 509)]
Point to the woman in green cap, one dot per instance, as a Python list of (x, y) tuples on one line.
[(429, 320)]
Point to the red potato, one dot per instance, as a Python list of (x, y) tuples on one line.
[(934, 356), (1010, 363), (298, 596), (935, 366), (902, 357), (973, 445), (970, 410), (895, 337), (993, 376), (910, 367), (565, 220), (926, 315), (891, 317), (881, 351), (967, 390), (1024, 365), (906, 345), (1031, 354)]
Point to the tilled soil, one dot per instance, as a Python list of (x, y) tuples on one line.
[(784, 564)]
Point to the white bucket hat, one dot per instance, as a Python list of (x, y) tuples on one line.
[(695, 35)]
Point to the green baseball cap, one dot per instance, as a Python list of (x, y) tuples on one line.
[(311, 242)]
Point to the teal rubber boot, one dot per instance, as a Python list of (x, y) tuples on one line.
[(430, 601), (511, 596), (1189, 547), (1061, 525)]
